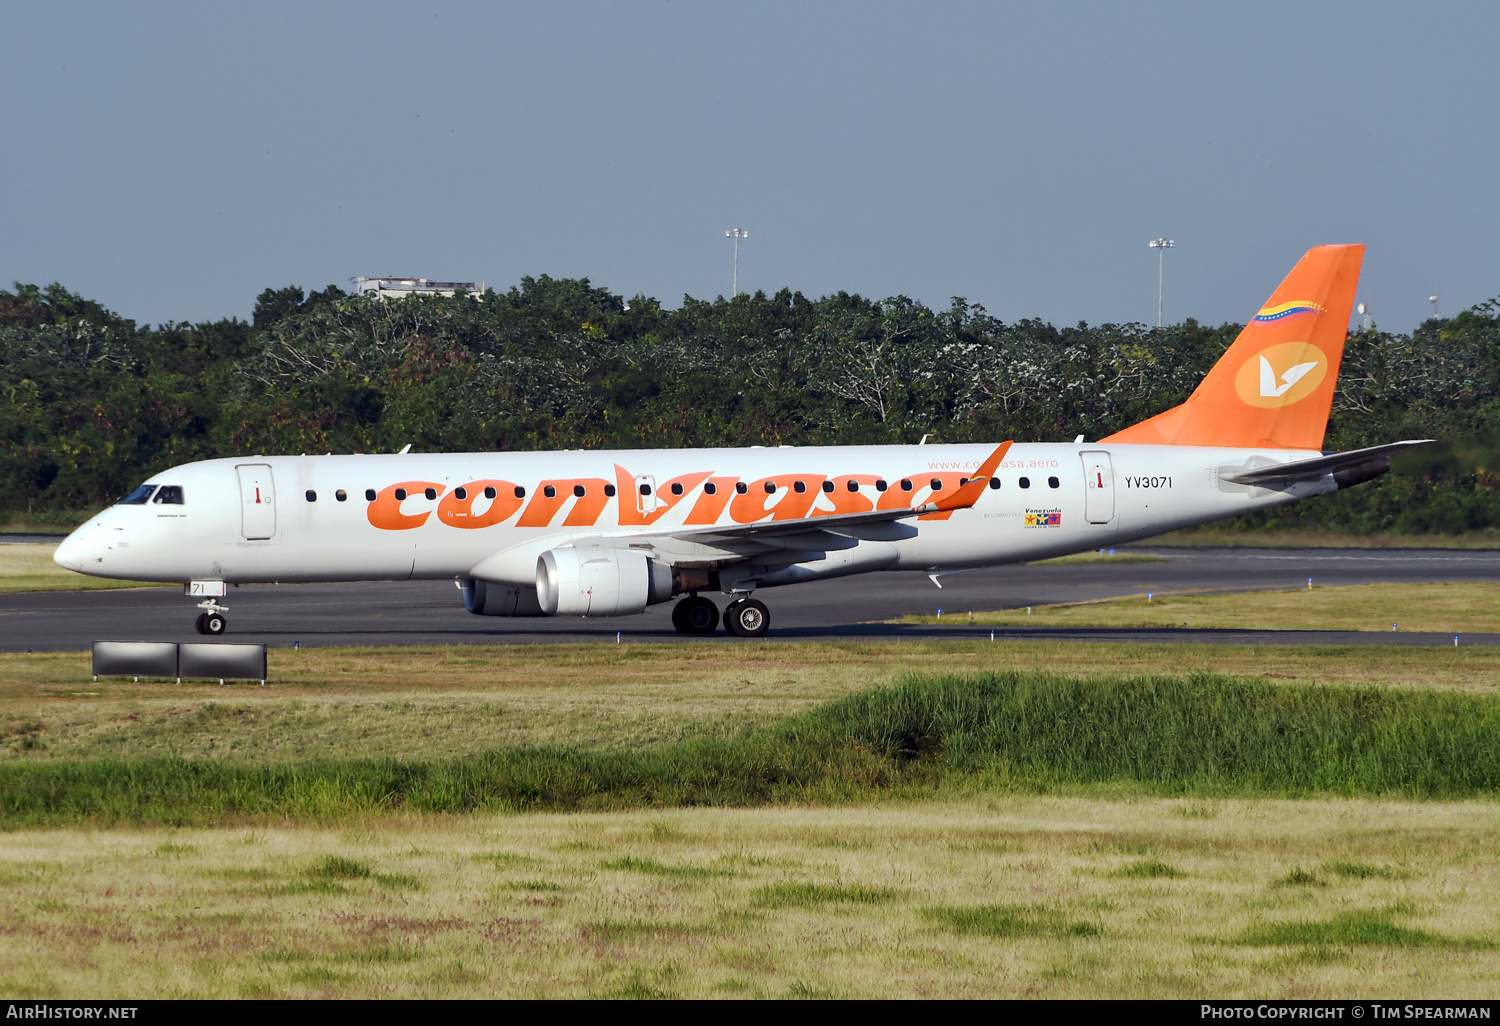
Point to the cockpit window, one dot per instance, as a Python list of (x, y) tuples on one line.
[(169, 494), (137, 497)]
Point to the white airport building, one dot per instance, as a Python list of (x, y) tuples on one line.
[(400, 288)]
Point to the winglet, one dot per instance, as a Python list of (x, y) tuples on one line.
[(970, 493)]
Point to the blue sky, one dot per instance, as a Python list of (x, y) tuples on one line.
[(172, 160)]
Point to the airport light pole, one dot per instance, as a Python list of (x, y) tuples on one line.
[(1433, 299), (1161, 246), (736, 234)]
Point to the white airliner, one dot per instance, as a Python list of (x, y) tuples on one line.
[(609, 533)]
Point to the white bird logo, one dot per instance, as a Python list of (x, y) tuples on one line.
[(1268, 387)]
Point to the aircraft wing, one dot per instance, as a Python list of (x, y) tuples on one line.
[(1363, 463)]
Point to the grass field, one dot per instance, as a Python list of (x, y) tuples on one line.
[(999, 895), (443, 703), (1446, 608), (30, 568), (1214, 536), (1016, 819), (1033, 731)]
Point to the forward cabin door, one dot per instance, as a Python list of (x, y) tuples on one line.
[(257, 501), (1099, 488)]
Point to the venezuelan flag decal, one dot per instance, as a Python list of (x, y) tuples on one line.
[(1281, 311)]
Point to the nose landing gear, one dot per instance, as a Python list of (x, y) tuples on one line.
[(212, 621)]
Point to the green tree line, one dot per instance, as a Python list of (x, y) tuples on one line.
[(91, 403)]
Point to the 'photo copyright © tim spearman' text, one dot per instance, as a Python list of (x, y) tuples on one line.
[(1370, 1010)]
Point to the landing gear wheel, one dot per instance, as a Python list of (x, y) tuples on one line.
[(695, 615), (747, 618), (213, 623), (201, 629)]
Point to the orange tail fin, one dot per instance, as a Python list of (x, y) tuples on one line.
[(1274, 387)]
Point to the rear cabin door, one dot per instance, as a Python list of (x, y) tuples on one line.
[(257, 501), (1099, 487)]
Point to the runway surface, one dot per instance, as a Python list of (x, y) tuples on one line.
[(432, 613)]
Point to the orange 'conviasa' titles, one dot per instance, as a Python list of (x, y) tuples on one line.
[(491, 501)]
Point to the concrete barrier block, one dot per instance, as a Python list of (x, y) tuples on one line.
[(135, 659), (238, 662)]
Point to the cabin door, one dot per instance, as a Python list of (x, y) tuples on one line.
[(257, 501), (1098, 488)]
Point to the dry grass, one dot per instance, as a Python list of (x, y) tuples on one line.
[(30, 568), (1448, 608), (1002, 896), (1216, 536), (434, 703)]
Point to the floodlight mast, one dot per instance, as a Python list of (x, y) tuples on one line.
[(736, 234), (1161, 246), (1433, 299)]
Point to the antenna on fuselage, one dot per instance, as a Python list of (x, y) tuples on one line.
[(404, 449)]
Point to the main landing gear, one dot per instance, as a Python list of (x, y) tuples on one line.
[(747, 618), (744, 617), (695, 615)]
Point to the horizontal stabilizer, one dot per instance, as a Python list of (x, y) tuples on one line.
[(1307, 470)]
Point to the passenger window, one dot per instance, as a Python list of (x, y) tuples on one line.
[(962, 481), (741, 487), (828, 485), (400, 494), (1025, 482), (341, 495), (550, 492), (906, 484), (609, 491), (312, 496), (520, 492), (880, 485), (489, 492), (799, 487), (770, 487), (645, 489), (1053, 482), (853, 486), (369, 495), (170, 495), (676, 487), (460, 493), (710, 489), (578, 491), (995, 483), (937, 484), (431, 493), (137, 497)]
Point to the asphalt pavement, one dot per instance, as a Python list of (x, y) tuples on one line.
[(432, 613)]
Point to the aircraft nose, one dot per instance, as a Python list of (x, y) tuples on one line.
[(80, 549)]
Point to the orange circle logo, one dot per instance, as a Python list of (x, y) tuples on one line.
[(1281, 375)]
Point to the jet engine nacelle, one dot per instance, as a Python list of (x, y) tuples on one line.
[(485, 598), (595, 580)]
